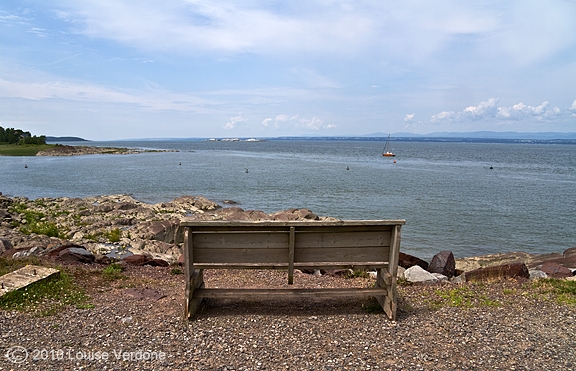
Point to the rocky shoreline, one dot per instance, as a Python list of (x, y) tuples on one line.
[(114, 227), (67, 150), (136, 320)]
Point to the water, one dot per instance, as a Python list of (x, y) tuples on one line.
[(447, 193)]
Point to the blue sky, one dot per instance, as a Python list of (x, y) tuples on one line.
[(104, 69)]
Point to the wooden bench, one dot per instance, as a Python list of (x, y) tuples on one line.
[(359, 244)]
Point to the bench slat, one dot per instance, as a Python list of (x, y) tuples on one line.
[(287, 293), (258, 255), (318, 265)]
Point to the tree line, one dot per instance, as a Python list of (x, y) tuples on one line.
[(19, 136)]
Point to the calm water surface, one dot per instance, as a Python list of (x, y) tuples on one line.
[(447, 193)]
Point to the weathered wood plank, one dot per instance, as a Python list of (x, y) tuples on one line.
[(343, 238), (319, 265), (235, 240), (288, 293), (195, 283), (244, 225), (341, 254), (258, 255), (291, 256), (232, 255)]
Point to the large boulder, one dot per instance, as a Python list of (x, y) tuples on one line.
[(157, 247), (76, 254), (418, 274), (140, 260), (294, 214), (555, 270), (165, 231), (514, 270), (443, 263), (407, 261)]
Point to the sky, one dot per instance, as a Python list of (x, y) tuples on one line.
[(105, 70)]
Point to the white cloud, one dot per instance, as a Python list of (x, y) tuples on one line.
[(521, 111), (489, 110), (151, 99), (231, 124), (409, 117), (229, 26), (393, 30), (483, 110), (573, 108), (266, 122)]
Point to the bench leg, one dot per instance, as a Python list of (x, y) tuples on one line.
[(196, 281), (387, 302)]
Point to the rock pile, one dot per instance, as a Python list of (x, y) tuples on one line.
[(105, 228), (444, 267), (118, 227)]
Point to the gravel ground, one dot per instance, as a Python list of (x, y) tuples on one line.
[(502, 325)]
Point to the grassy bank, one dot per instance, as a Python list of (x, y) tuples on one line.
[(23, 149)]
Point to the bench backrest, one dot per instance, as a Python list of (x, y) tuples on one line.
[(279, 243)]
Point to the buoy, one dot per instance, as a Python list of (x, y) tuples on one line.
[(347, 168), (394, 161), (25, 166), (179, 163), (246, 170), (491, 168)]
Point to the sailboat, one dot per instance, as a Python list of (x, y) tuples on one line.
[(386, 152)]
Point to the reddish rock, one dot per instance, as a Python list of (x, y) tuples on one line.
[(140, 260), (407, 261), (443, 263), (137, 259), (257, 215), (158, 263), (232, 213), (55, 251), (555, 270), (76, 254), (294, 214), (513, 270)]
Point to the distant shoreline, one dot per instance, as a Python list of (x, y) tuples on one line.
[(53, 140), (68, 150)]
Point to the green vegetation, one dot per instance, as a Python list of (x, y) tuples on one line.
[(113, 272), (358, 273), (114, 235), (175, 271), (45, 297), (19, 136), (462, 297), (23, 149), (36, 222), (561, 291)]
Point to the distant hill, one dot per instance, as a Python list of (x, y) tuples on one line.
[(483, 135), (64, 139)]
